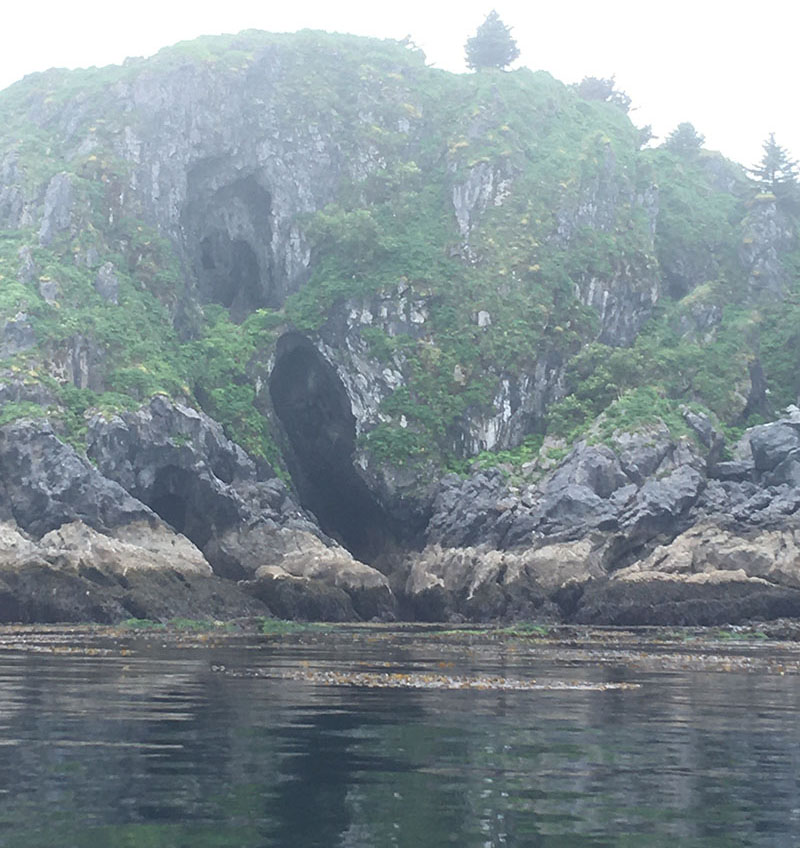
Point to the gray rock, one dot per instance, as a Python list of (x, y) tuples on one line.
[(771, 444), (27, 270), (674, 602), (77, 574), (106, 283), (12, 199), (571, 510), (704, 429), (787, 471), (59, 201), (464, 511), (738, 470), (15, 389), (17, 336), (641, 453), (45, 484), (179, 462), (706, 576), (769, 234), (661, 503)]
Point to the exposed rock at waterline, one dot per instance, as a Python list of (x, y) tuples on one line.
[(76, 573)]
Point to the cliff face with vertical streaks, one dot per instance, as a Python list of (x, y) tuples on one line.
[(281, 289)]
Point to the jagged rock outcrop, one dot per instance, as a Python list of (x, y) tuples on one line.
[(116, 539), (647, 530), (12, 199), (76, 547), (44, 483), (371, 272), (242, 517), (769, 235), (643, 486), (59, 200)]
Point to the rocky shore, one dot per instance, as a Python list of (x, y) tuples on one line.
[(366, 273), (165, 517)]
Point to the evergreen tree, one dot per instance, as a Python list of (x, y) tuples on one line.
[(777, 173), (492, 45), (684, 139)]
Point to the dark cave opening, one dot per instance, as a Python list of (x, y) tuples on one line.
[(229, 274), (313, 406), (228, 232), (170, 498)]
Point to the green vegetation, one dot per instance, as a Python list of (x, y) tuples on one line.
[(184, 625), (142, 624), (685, 140), (776, 174), (556, 203)]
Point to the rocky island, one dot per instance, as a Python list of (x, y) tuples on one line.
[(298, 325)]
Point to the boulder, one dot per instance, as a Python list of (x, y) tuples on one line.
[(339, 586), (674, 600), (45, 483), (482, 585), (773, 444), (77, 574), (708, 575)]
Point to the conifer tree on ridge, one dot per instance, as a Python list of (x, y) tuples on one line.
[(492, 45)]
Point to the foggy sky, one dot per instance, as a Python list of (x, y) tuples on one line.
[(728, 67)]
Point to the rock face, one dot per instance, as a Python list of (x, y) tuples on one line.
[(122, 537), (76, 547), (646, 530), (637, 490), (374, 271), (171, 518), (770, 234), (242, 517), (77, 574)]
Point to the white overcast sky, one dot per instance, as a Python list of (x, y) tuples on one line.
[(728, 66)]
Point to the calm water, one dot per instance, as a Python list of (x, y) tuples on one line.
[(139, 743)]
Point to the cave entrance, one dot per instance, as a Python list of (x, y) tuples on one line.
[(313, 406), (229, 274), (228, 233), (169, 497)]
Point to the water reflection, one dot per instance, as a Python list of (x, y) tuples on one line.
[(159, 746)]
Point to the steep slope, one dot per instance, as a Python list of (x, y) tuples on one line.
[(371, 272)]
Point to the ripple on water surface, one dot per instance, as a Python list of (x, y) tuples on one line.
[(348, 737)]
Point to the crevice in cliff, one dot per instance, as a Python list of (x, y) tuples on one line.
[(170, 498), (228, 234), (313, 406)]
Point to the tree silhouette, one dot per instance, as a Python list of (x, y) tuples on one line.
[(684, 139), (776, 174), (776, 171), (492, 45)]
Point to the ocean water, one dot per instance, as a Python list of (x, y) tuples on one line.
[(374, 737)]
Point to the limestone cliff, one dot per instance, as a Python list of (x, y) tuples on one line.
[(276, 288)]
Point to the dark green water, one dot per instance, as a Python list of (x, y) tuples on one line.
[(143, 744)]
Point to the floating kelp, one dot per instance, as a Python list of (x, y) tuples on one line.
[(424, 680)]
